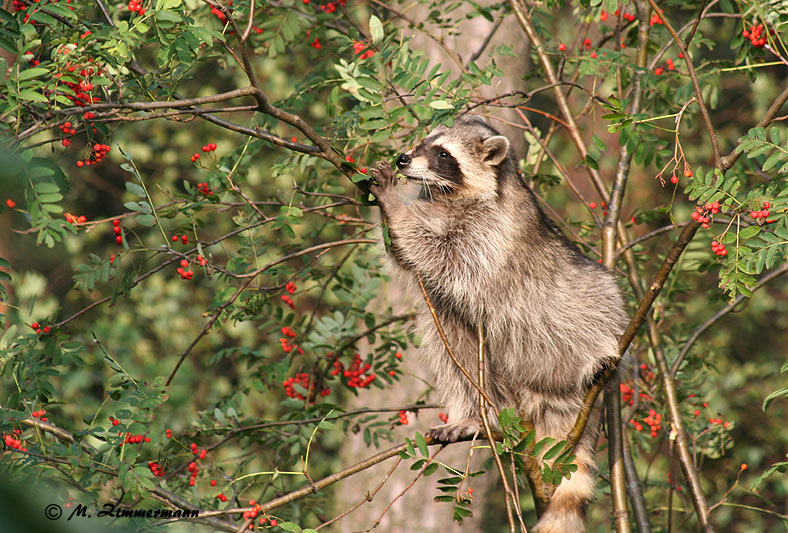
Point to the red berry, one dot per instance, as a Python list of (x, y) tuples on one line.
[(593, 55), (674, 179), (184, 239), (688, 173), (10, 203), (119, 239), (562, 47), (35, 325)]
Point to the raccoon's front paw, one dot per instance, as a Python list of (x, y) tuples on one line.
[(454, 431), (385, 177)]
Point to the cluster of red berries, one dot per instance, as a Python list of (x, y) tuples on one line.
[(135, 439), (316, 44), (67, 130), (168, 433), (290, 287), (14, 443), (701, 213), (10, 203), (209, 147), (185, 274), (763, 213), (603, 205), (655, 19), (36, 326), (444, 417), (135, 6), (183, 238), (362, 51), (97, 153), (204, 189), (201, 260), (330, 7), (73, 219), (218, 13), (356, 373), (628, 394), (653, 420), (629, 17), (286, 346), (587, 43), (289, 301), (719, 421), (756, 36), (118, 231), (40, 415), (193, 469), (718, 248), (196, 451), (403, 418), (254, 511), (81, 89), (303, 380), (221, 497), (658, 71), (155, 469), (114, 421)]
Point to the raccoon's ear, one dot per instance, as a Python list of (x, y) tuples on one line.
[(495, 149)]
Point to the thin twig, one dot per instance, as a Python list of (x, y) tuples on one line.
[(448, 348), (509, 496)]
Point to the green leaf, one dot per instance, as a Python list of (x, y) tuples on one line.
[(32, 73), (375, 29), (135, 189), (422, 445), (33, 96), (749, 232), (773, 160), (782, 393), (555, 450), (290, 526), (441, 104), (46, 187), (168, 16), (146, 220)]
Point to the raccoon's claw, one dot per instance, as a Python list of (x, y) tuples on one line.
[(454, 431), (385, 177)]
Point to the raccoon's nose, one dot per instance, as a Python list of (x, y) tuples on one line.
[(403, 160)]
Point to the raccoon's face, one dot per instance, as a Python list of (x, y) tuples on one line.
[(467, 160)]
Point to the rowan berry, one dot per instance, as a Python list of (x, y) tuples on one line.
[(10, 203), (562, 47), (674, 179)]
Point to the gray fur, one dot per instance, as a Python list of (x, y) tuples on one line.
[(485, 250)]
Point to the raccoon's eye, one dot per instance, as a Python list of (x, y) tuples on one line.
[(443, 154)]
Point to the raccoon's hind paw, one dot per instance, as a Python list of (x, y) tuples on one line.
[(385, 177), (454, 431)]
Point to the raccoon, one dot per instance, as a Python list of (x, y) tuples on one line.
[(486, 251)]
